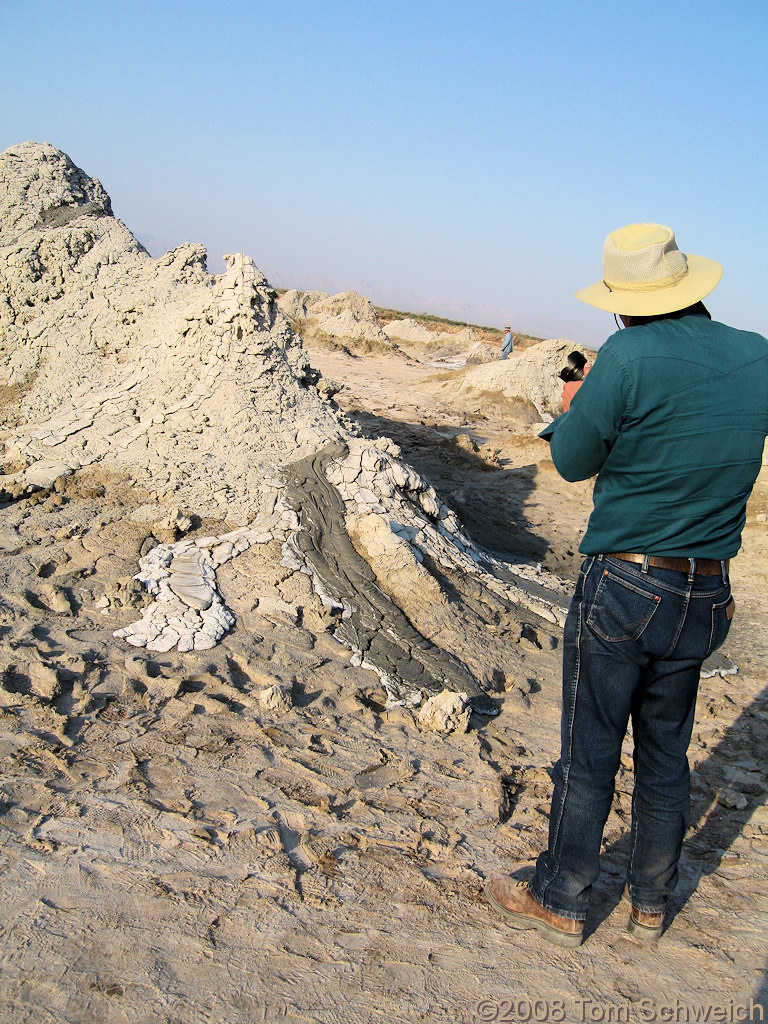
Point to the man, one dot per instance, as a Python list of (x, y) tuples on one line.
[(508, 343), (672, 418)]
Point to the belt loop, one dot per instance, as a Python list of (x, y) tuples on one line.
[(724, 568), (646, 561), (691, 569)]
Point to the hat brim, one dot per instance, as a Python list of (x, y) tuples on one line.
[(703, 277)]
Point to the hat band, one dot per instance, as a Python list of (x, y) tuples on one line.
[(645, 286)]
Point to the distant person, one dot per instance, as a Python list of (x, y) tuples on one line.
[(508, 343), (573, 373), (672, 418)]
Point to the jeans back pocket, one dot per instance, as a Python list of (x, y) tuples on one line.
[(722, 613), (620, 610)]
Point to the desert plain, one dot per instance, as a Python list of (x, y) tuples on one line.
[(283, 584)]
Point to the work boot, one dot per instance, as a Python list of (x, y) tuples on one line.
[(646, 925), (514, 900)]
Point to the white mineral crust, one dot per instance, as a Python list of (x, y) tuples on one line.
[(188, 612)]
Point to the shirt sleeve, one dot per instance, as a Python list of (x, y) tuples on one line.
[(581, 440)]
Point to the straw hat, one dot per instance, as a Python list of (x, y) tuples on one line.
[(644, 273)]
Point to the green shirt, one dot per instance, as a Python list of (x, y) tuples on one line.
[(672, 418)]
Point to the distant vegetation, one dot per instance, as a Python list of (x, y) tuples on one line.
[(429, 318), (489, 334)]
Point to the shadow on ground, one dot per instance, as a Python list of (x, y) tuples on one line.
[(714, 826), (488, 499)]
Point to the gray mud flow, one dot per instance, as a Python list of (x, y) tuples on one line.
[(370, 622)]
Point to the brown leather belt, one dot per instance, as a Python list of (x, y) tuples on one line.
[(705, 566)]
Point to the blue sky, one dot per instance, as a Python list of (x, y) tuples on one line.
[(463, 158)]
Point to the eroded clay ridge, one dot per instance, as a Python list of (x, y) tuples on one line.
[(195, 387)]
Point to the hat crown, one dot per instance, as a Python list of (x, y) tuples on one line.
[(645, 274), (642, 256)]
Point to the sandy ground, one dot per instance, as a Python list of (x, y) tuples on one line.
[(173, 852)]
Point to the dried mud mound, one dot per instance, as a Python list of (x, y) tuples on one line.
[(532, 375), (185, 381), (195, 389), (346, 317), (453, 349)]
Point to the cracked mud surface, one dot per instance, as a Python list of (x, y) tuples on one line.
[(240, 825), (174, 851)]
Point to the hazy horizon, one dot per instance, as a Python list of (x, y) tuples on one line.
[(461, 159)]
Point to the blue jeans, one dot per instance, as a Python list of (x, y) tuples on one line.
[(635, 638)]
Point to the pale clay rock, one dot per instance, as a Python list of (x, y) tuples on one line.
[(276, 698), (732, 799), (43, 680), (445, 712), (415, 514)]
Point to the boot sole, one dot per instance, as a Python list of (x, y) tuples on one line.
[(567, 939), (643, 932)]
